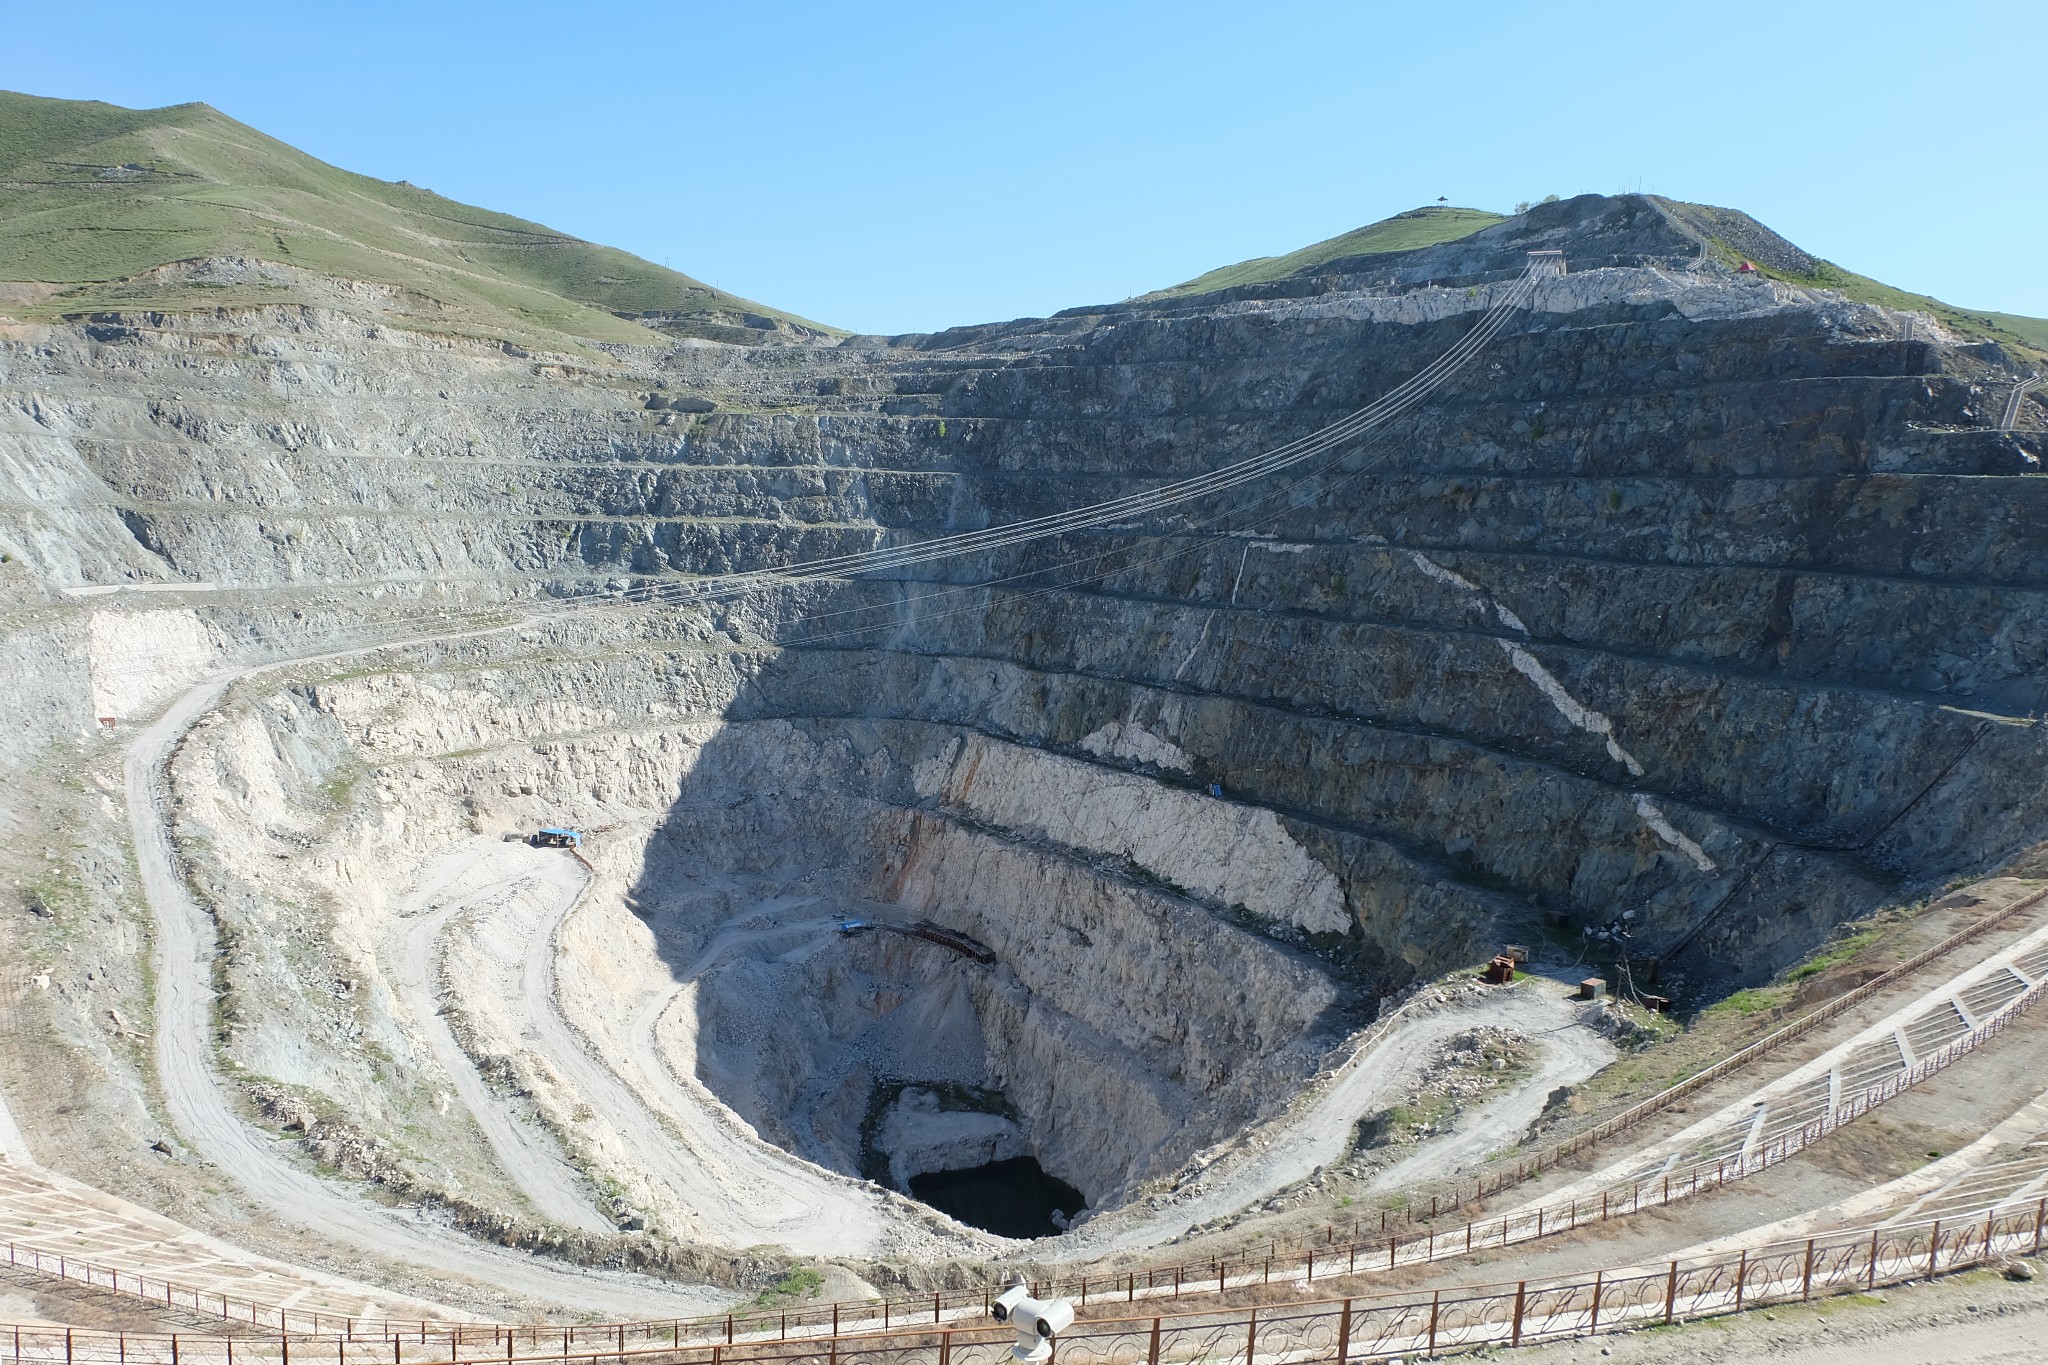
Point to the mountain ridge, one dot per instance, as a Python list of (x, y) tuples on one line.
[(105, 208), (108, 202)]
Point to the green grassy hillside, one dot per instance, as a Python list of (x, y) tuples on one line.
[(96, 198), (1403, 232), (2028, 336), (1736, 237)]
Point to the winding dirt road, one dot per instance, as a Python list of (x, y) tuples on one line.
[(745, 1191), (201, 1112), (1320, 1129), (448, 887)]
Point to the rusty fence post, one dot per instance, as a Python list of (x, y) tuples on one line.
[(1670, 1293), (1152, 1351), (1436, 1304), (1806, 1279), (1521, 1298), (1343, 1335)]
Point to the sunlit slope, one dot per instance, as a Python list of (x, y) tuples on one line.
[(1726, 236), (104, 199), (1403, 232)]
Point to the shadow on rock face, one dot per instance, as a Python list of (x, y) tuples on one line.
[(1119, 1027)]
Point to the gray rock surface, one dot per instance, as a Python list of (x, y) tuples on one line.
[(1701, 597)]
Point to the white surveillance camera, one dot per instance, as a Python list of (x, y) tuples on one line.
[(1054, 1317), (1037, 1322), (1008, 1300)]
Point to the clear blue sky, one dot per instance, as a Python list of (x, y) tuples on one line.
[(896, 167)]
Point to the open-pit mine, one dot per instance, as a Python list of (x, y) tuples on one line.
[(663, 828)]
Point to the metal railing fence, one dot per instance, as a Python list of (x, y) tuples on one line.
[(1361, 1328)]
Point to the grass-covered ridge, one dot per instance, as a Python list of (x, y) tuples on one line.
[(100, 200), (1403, 232), (1731, 236), (1735, 238)]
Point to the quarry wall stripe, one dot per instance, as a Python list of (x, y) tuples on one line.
[(1397, 401), (1380, 725)]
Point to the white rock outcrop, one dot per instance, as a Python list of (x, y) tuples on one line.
[(1219, 851), (919, 1137)]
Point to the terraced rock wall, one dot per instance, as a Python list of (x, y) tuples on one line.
[(1699, 605)]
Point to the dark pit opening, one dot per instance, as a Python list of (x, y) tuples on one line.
[(1013, 1198)]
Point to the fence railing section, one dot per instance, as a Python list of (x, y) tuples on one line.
[(1406, 1237), (2012, 404), (1344, 1331)]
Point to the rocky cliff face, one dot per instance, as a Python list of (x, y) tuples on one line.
[(1700, 604)]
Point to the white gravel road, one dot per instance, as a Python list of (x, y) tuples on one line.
[(1320, 1128), (448, 886), (202, 1114), (745, 1191)]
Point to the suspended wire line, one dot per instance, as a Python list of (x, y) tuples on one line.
[(1344, 431), (1343, 434)]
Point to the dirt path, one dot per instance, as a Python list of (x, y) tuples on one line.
[(449, 885), (107, 1230), (798, 1183), (741, 1190), (200, 1110), (1974, 1319), (1910, 1195), (1321, 1131), (679, 1156)]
